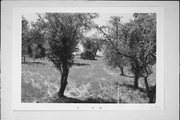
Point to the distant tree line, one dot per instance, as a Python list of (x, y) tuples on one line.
[(32, 40)]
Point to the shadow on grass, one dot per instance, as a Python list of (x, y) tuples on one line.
[(87, 100), (88, 59), (80, 64), (34, 63), (132, 87)]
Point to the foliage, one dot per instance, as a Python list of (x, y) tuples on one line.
[(137, 43), (65, 29), (64, 32), (90, 48), (142, 45), (25, 35), (112, 57), (32, 39), (114, 60)]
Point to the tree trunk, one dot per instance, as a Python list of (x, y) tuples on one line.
[(152, 95), (147, 86), (95, 52), (63, 84), (136, 81), (33, 56), (136, 70), (122, 71), (24, 58)]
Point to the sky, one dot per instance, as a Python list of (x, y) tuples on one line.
[(101, 20), (104, 17)]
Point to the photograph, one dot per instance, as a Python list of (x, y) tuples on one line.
[(88, 57), (89, 60)]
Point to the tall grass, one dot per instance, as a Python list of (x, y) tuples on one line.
[(88, 81)]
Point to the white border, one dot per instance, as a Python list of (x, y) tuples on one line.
[(16, 60)]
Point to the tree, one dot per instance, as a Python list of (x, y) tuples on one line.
[(37, 39), (32, 38), (91, 46), (143, 45), (25, 37), (112, 58), (64, 32), (138, 45)]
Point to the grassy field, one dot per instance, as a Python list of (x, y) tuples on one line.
[(89, 81)]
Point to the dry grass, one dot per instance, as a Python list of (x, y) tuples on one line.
[(88, 81)]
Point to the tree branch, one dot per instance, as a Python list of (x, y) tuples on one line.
[(109, 39)]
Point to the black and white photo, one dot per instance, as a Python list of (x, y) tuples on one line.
[(88, 58)]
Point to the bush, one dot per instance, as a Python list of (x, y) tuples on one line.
[(88, 55)]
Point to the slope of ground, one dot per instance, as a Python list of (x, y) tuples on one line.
[(89, 81)]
